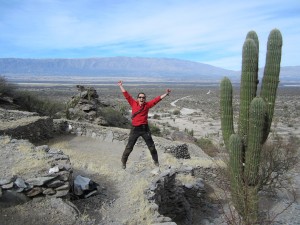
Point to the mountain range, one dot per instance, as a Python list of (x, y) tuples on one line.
[(161, 69)]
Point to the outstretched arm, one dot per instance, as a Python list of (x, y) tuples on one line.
[(165, 94), (120, 83)]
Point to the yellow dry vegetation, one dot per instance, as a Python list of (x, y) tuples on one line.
[(5, 140), (31, 160), (185, 178), (87, 161), (144, 215)]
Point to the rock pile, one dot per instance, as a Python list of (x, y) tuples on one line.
[(179, 151), (84, 106), (172, 200)]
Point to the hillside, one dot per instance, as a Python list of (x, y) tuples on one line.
[(166, 69), (154, 69)]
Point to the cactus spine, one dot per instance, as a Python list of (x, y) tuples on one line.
[(255, 118)]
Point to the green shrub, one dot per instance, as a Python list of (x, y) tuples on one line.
[(190, 132), (207, 146), (176, 112), (155, 116), (5, 87), (29, 102), (113, 117), (155, 130)]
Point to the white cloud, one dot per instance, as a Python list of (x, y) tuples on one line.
[(205, 31)]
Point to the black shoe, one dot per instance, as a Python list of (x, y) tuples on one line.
[(123, 166), (156, 163)]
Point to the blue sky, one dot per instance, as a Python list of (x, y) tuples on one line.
[(210, 32)]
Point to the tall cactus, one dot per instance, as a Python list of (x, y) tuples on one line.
[(271, 75), (255, 118)]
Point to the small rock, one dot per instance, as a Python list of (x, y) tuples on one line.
[(38, 181), (8, 186), (34, 192), (20, 183), (49, 191), (53, 170)]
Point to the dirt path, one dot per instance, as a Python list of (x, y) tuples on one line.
[(122, 199), (122, 189)]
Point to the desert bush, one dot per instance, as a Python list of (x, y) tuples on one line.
[(43, 106), (176, 112), (155, 130), (207, 146), (5, 87), (28, 101), (114, 117), (156, 116), (278, 157), (189, 132)]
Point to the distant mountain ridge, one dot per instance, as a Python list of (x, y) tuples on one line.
[(162, 68)]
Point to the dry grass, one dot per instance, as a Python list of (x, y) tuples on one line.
[(185, 179), (5, 140), (136, 194), (32, 160), (204, 162), (87, 161)]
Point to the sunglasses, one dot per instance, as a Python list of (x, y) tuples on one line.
[(142, 97)]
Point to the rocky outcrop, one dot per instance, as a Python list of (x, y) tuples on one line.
[(85, 105)]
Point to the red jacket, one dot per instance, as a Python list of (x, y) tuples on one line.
[(142, 117)]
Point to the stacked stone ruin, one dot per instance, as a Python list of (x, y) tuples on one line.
[(84, 106), (179, 151), (172, 200), (25, 125), (56, 181), (52, 180), (169, 199)]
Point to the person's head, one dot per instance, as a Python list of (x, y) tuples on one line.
[(141, 97)]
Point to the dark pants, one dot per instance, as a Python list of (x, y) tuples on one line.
[(135, 133)]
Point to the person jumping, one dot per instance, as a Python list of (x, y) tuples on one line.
[(139, 117)]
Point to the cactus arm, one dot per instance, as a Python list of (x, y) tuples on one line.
[(226, 110), (236, 171), (249, 81), (252, 35), (271, 75), (255, 136)]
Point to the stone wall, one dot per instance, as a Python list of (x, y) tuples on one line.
[(173, 201), (25, 125), (107, 134), (41, 171)]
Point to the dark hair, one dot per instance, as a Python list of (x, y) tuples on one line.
[(141, 93)]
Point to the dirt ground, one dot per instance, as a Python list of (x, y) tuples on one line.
[(121, 192), (120, 200)]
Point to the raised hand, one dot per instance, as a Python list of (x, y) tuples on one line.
[(120, 83)]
